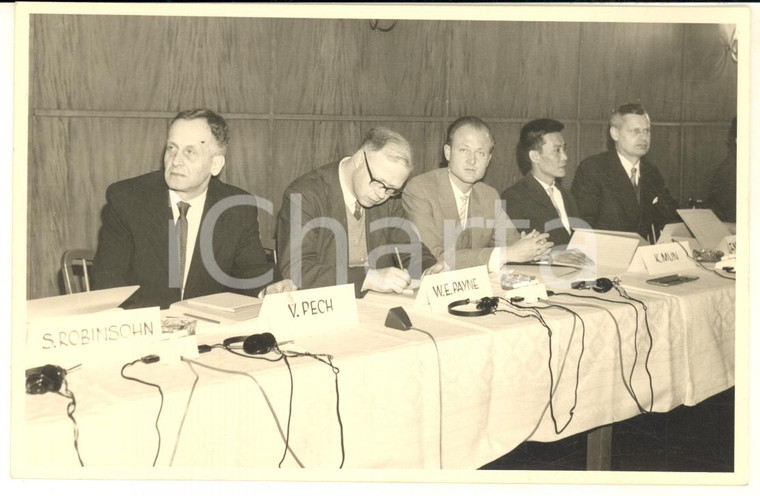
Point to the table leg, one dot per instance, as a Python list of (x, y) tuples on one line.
[(599, 448)]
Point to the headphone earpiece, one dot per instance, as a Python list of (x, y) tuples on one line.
[(255, 344), (259, 344), (487, 303), (601, 285), (45, 379)]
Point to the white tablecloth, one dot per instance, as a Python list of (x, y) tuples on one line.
[(495, 385)]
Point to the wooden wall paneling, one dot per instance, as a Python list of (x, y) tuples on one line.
[(514, 69), (47, 204), (317, 66), (704, 149), (425, 138), (710, 75), (402, 71), (503, 170), (100, 62), (592, 140), (249, 166), (623, 63), (220, 63)]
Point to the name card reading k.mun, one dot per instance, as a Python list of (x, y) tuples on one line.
[(665, 258), (298, 312), (438, 290)]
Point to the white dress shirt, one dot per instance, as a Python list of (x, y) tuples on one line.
[(555, 195)]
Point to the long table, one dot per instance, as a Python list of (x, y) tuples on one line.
[(494, 387)]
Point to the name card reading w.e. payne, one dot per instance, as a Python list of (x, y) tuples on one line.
[(666, 258), (312, 309), (110, 336), (438, 290)]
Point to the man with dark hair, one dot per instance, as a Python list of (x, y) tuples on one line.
[(460, 218), (722, 198), (343, 223), (620, 190), (538, 196), (183, 233)]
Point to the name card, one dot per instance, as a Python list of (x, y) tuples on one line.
[(115, 336), (438, 290), (299, 312), (665, 258), (728, 245)]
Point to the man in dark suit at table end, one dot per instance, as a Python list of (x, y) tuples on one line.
[(538, 197), (343, 222), (460, 218), (181, 232), (620, 190)]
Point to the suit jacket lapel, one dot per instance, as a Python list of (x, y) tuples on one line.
[(538, 193), (158, 218), (624, 188)]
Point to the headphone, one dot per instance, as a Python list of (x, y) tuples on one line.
[(45, 379), (484, 306), (601, 285), (255, 344)]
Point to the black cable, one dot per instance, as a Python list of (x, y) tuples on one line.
[(184, 415), (282, 356), (70, 409), (440, 396), (628, 387), (263, 393), (290, 411), (623, 293), (700, 263), (327, 360), (552, 388), (161, 406)]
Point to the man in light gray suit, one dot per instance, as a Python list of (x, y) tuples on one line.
[(460, 219)]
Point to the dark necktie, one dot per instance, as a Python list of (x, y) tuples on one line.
[(634, 182), (357, 211), (183, 208)]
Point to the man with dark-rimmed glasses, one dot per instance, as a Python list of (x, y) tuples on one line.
[(343, 222)]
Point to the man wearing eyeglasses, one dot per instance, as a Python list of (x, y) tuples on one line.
[(343, 222), (460, 218)]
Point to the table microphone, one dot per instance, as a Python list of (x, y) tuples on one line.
[(398, 319)]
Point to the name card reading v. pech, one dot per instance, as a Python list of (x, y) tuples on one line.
[(297, 312), (664, 258), (438, 290), (114, 336)]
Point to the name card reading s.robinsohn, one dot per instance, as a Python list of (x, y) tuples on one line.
[(665, 258), (310, 310), (111, 336), (438, 290)]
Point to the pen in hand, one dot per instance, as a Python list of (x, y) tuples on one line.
[(398, 259)]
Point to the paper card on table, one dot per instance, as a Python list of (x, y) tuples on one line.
[(705, 226), (115, 336), (611, 251), (665, 258), (438, 290), (728, 245), (296, 312), (78, 303)]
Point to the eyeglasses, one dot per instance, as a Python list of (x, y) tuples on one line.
[(377, 183)]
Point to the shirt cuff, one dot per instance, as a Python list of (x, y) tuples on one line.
[(496, 260)]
